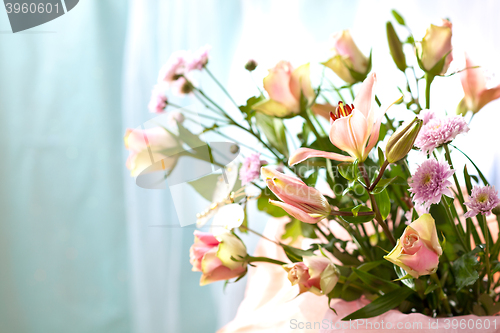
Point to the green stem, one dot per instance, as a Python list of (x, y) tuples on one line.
[(306, 117), (380, 174), (444, 203), (378, 216), (486, 250), (264, 259), (428, 81), (222, 87), (441, 295)]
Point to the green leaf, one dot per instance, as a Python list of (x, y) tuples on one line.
[(295, 254), (381, 157), (248, 108), (205, 185), (189, 138), (274, 130), (398, 17), (466, 268), (297, 228), (348, 170), (313, 177), (475, 166), (430, 288), (376, 282), (401, 273), (264, 205), (383, 183), (360, 218), (382, 304), (468, 183), (383, 203)]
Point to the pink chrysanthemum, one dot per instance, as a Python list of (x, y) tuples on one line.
[(430, 182), (199, 58), (482, 200), (426, 115), (174, 67), (439, 131), (158, 101), (250, 169)]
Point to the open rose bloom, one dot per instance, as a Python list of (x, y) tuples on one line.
[(418, 249)]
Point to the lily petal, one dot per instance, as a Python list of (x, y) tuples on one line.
[(473, 82), (342, 137), (487, 96), (303, 154), (365, 98), (296, 212)]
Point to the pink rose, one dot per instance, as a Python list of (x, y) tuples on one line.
[(316, 274), (146, 147), (285, 85), (418, 249), (346, 57), (434, 46), (212, 255)]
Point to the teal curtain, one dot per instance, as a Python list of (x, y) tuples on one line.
[(63, 240)]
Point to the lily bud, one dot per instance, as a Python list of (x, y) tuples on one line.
[(303, 202), (401, 142), (396, 47)]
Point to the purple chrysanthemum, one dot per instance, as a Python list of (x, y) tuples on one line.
[(250, 169), (482, 200), (439, 131), (430, 182), (199, 58), (158, 101)]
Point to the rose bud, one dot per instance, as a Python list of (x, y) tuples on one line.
[(347, 61), (418, 250), (316, 274), (303, 202), (213, 256), (286, 86), (435, 45), (401, 141)]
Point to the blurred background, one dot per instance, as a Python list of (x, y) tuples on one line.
[(82, 248)]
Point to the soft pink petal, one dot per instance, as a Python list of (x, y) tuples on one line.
[(303, 154), (277, 84), (365, 98), (487, 96), (359, 130), (473, 82), (341, 136), (206, 237), (269, 173), (296, 212), (424, 262), (303, 195)]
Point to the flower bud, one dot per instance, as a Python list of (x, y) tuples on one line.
[(316, 274), (396, 47), (401, 142), (434, 52), (251, 65)]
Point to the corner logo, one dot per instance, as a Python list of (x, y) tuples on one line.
[(26, 14)]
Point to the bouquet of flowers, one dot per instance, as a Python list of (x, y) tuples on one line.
[(419, 241)]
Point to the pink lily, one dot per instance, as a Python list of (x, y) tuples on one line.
[(354, 129), (476, 94), (305, 203)]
